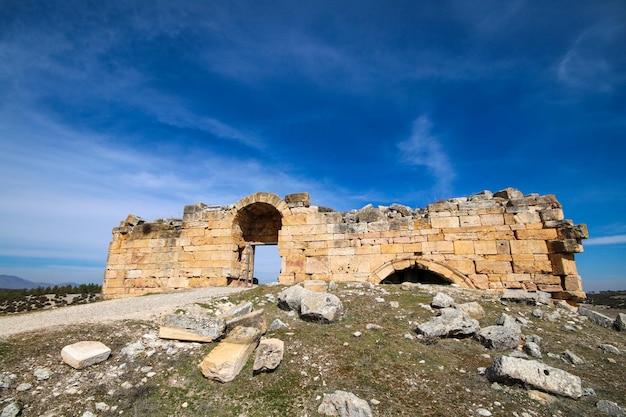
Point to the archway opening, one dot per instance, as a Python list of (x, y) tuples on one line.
[(415, 274), (257, 225)]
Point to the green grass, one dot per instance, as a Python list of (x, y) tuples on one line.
[(408, 377)]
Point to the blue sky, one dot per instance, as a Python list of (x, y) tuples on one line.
[(117, 107)]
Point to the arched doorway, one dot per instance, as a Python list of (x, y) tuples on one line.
[(258, 221), (415, 269)]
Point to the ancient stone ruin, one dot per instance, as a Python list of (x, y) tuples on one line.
[(485, 241)]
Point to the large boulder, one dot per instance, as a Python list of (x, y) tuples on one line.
[(535, 374), (449, 323), (344, 404), (620, 322), (320, 307), (289, 298), (472, 309)]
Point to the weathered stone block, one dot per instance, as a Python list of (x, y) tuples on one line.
[(566, 246), (228, 358), (191, 328), (269, 355), (493, 267), (83, 354)]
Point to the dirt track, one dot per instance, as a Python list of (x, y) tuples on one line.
[(141, 308)]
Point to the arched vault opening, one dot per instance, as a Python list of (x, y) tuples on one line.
[(419, 270)]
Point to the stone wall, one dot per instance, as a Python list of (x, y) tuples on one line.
[(486, 241)]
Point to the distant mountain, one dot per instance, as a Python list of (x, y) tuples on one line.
[(10, 282)]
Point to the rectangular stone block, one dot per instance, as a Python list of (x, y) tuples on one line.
[(536, 234), (491, 219), (469, 221), (563, 264), (532, 267), (528, 246), (463, 247), (572, 283), (566, 246), (444, 222), (485, 247), (493, 267), (438, 247), (317, 265), (83, 354)]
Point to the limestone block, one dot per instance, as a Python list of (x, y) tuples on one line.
[(491, 219), (536, 234), (412, 248), (547, 279), (444, 222), (83, 354), (550, 288), (391, 248), (485, 247), (463, 247), (526, 217), (268, 355), (254, 319), (532, 267), (228, 358), (572, 283), (469, 221), (578, 231), (438, 247), (493, 267), (528, 246), (536, 374), (551, 215), (509, 193), (566, 246), (191, 328), (303, 198), (464, 266)]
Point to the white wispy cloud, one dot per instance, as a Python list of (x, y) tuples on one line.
[(423, 148), (588, 64), (605, 240)]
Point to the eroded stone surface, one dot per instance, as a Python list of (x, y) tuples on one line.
[(82, 354)]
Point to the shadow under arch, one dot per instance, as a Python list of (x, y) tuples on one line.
[(415, 269)]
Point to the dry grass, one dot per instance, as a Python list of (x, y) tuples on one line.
[(408, 377)]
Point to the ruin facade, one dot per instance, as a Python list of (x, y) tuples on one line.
[(489, 241)]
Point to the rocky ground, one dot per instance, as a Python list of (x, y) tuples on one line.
[(374, 351)]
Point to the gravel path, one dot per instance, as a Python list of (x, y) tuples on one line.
[(139, 308)]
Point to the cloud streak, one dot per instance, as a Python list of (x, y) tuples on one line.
[(423, 148), (605, 240)]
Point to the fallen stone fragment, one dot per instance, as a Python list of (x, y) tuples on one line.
[(449, 323), (191, 328), (523, 296), (253, 319), (320, 307), (86, 353), (541, 397), (269, 355), (610, 408), (498, 337), (42, 374), (572, 358), (532, 349), (598, 318), (409, 286), (472, 309), (240, 309), (441, 300), (609, 349), (535, 374), (620, 322), (344, 404), (277, 324), (229, 357), (289, 298), (11, 410)]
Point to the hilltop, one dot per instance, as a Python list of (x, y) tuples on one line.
[(373, 352)]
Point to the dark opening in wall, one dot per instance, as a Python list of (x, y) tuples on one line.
[(415, 274)]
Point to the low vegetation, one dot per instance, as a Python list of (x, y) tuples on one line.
[(16, 301), (390, 367)]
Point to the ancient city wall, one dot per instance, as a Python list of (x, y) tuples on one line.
[(485, 241)]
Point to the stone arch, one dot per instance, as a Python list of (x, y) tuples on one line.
[(258, 219), (440, 270)]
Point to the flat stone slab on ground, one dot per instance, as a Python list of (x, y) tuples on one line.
[(82, 354), (228, 358), (191, 328), (535, 374)]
